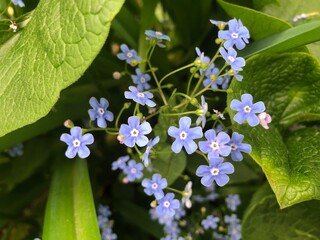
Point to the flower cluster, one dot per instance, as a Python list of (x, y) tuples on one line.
[(159, 112), (105, 223)]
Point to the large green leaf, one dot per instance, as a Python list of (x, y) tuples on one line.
[(70, 211), (285, 224), (53, 50), (289, 85)]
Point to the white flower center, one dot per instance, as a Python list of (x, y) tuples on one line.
[(247, 109), (142, 80), (158, 33), (129, 55), (154, 186), (76, 143), (140, 95), (233, 146), (214, 171), (234, 35), (133, 170), (101, 111), (214, 145), (231, 59), (166, 204), (134, 132), (183, 135)]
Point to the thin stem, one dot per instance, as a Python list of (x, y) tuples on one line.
[(175, 71), (175, 190)]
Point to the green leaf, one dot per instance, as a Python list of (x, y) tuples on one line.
[(259, 24), (285, 224), (169, 164), (289, 86), (53, 50), (289, 39), (70, 211)]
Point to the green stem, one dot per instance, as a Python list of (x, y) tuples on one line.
[(175, 190), (175, 71)]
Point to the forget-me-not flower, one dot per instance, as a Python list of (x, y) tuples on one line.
[(77, 143), (157, 37), (129, 55), (134, 132), (211, 76), (231, 58), (120, 163), (216, 144), (201, 61), (233, 201), (155, 186), (141, 79), (16, 150), (142, 98), (247, 110), (201, 112), (184, 136), (107, 234), (237, 146), (100, 112), (20, 3), (237, 35), (168, 204), (210, 222), (133, 170), (216, 171), (145, 156)]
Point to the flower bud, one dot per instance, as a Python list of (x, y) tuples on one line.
[(68, 123)]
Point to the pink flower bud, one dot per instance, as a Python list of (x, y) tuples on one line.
[(120, 138), (264, 119)]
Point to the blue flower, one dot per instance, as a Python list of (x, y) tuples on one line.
[(100, 111), (107, 234), (237, 146), (236, 35), (247, 110), (20, 3), (16, 150), (233, 201), (216, 171), (234, 231), (163, 219), (216, 144), (120, 163), (77, 143), (172, 229), (157, 37), (231, 219), (184, 136), (210, 222), (129, 55), (211, 76), (167, 205), (134, 132), (104, 211), (236, 75), (201, 112), (155, 186), (141, 80), (151, 143), (133, 170), (142, 98), (231, 58), (201, 61)]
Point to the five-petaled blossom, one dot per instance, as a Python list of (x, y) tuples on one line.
[(237, 146), (231, 58), (120, 163), (151, 143), (134, 132), (155, 186), (157, 37), (184, 136), (100, 112), (142, 98), (133, 170), (216, 171), (129, 55), (167, 205), (211, 76), (237, 35), (247, 110), (77, 143), (201, 112), (210, 222), (233, 201), (141, 79), (216, 144)]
